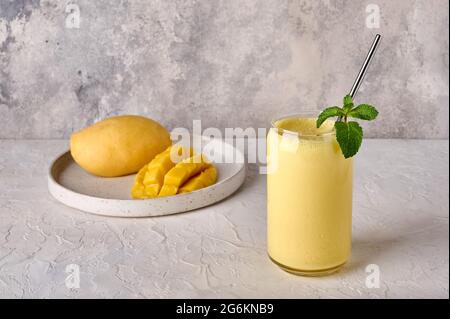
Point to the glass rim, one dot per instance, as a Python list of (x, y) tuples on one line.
[(305, 115)]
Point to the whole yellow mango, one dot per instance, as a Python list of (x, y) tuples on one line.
[(119, 145)]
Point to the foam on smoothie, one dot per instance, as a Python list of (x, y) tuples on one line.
[(305, 126)]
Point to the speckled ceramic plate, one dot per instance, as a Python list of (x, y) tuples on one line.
[(73, 186)]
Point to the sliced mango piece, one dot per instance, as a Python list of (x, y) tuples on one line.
[(184, 170), (150, 178), (152, 190), (168, 190), (204, 179), (138, 190), (160, 165)]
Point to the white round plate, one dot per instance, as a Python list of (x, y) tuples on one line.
[(73, 186)]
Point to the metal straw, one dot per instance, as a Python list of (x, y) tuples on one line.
[(364, 67)]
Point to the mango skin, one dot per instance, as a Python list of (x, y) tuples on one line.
[(120, 145)]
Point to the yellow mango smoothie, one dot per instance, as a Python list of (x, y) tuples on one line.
[(309, 197)]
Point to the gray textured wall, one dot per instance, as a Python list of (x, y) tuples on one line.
[(230, 63)]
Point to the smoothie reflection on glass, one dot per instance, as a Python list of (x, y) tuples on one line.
[(309, 197)]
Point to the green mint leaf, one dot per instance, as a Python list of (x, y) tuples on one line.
[(349, 136), (348, 107), (348, 99), (327, 113), (348, 103), (364, 112)]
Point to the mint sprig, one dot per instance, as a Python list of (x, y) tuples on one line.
[(349, 134), (327, 113)]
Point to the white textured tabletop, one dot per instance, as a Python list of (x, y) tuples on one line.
[(400, 224)]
